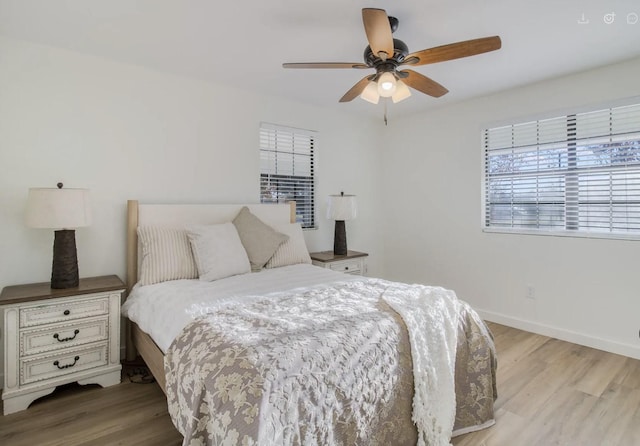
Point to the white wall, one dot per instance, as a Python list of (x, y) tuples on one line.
[(587, 290), (127, 132)]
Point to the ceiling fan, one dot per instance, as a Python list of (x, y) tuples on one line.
[(386, 55)]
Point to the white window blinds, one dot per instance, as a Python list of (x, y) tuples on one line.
[(578, 173), (287, 169)]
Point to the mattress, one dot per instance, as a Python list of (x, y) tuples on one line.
[(162, 310)]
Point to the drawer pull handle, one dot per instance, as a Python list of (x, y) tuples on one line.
[(70, 338), (66, 366), (66, 312)]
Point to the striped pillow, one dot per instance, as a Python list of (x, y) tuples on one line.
[(165, 255), (291, 252)]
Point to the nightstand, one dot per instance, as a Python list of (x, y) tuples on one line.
[(58, 336), (353, 263)]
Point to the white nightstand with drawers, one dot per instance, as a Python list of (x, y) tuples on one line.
[(353, 262), (58, 336)]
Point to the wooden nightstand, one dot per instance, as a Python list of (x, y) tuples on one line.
[(353, 263), (54, 337)]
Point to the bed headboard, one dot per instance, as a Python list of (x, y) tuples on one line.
[(178, 215)]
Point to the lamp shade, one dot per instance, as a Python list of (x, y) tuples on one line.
[(370, 93), (342, 207), (387, 85), (58, 208), (402, 92)]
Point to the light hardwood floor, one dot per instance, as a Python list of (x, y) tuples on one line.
[(125, 414), (550, 393)]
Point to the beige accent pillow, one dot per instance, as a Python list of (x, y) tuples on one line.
[(291, 252), (165, 255), (218, 251), (259, 239)]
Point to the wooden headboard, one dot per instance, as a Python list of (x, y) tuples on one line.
[(180, 215)]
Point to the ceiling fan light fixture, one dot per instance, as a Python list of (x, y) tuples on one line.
[(402, 92), (387, 84), (370, 93), (387, 55)]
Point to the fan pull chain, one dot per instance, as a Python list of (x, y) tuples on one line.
[(385, 111)]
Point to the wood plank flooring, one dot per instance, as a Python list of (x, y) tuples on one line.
[(550, 393), (125, 414)]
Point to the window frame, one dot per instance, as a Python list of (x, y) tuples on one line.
[(288, 179), (567, 114)]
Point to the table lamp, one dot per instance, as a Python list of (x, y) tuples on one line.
[(340, 208), (62, 210)]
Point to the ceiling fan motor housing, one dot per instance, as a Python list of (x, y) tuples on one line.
[(400, 51)]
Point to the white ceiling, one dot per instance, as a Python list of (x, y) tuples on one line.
[(244, 43)]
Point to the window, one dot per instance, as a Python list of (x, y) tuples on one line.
[(576, 174), (287, 169)]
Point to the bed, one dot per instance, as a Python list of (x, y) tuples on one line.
[(297, 354)]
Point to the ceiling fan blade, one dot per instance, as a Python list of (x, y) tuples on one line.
[(454, 51), (378, 30), (422, 83), (355, 91), (325, 65)]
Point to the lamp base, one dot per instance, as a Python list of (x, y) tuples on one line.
[(64, 271), (340, 239)]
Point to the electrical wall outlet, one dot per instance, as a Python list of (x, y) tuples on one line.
[(529, 292)]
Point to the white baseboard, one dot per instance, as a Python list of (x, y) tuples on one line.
[(619, 348)]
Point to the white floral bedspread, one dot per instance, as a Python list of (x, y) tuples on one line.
[(314, 367)]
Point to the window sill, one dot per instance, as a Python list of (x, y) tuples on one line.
[(584, 234)]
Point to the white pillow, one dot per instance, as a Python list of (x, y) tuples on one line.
[(291, 252), (165, 255), (218, 251)]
